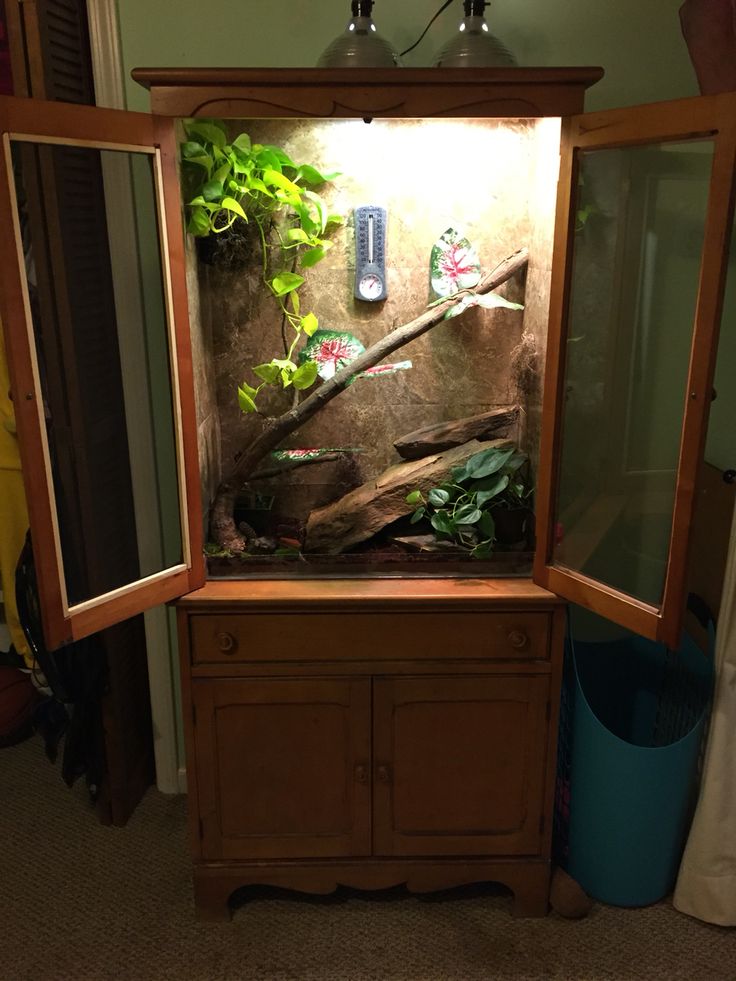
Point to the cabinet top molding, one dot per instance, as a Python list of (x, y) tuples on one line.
[(378, 92)]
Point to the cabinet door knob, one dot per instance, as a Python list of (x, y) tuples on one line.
[(518, 639), (383, 773), (361, 773), (226, 642)]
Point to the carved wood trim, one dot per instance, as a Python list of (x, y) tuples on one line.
[(528, 879), (349, 93)]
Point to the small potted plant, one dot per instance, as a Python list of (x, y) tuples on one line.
[(486, 501)]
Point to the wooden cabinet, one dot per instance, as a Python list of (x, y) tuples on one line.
[(412, 744), (376, 731)]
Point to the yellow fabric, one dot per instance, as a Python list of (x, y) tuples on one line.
[(13, 510)]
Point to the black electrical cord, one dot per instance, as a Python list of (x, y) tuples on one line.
[(421, 36), (468, 4)]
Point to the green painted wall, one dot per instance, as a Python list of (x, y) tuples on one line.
[(638, 42)]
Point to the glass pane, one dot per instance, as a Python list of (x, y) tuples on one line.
[(640, 217), (94, 276)]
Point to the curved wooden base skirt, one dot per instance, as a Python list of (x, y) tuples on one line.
[(528, 879)]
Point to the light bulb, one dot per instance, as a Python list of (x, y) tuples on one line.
[(360, 45), (473, 46)]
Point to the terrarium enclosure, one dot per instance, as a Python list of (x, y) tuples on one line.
[(492, 182)]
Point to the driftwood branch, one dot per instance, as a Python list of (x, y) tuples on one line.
[(276, 430)]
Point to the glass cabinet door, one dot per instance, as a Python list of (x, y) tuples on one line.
[(641, 243), (95, 316)]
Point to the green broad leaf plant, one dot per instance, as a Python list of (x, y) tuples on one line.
[(462, 509), (229, 181)]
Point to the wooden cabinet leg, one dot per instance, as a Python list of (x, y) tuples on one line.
[(211, 895), (531, 892)]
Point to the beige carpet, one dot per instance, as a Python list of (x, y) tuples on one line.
[(79, 901)]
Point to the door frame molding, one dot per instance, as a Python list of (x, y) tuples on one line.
[(108, 73)]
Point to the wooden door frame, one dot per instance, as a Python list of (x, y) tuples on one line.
[(97, 127), (711, 117)]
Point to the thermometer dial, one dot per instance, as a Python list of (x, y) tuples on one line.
[(370, 287), (370, 253)]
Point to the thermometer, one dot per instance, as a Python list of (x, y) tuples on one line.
[(370, 253)]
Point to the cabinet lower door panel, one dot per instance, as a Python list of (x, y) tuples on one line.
[(459, 765), (284, 767)]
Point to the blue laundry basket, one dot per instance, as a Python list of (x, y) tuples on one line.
[(632, 726)]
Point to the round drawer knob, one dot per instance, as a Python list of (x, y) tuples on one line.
[(226, 642), (518, 639)]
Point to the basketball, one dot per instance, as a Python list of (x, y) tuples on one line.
[(17, 698)]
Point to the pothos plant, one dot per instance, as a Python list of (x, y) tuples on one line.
[(229, 181), (462, 509)]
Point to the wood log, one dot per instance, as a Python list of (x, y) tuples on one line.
[(497, 424), (363, 512)]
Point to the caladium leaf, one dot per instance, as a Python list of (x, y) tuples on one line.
[(331, 349), (381, 370), (453, 264), (312, 452)]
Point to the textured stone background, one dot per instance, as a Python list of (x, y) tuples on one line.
[(495, 181)]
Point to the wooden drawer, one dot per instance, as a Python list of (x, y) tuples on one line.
[(375, 637)]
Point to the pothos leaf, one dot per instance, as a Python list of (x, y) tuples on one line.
[(269, 372), (209, 132), (309, 324), (246, 398), (276, 179), (230, 204), (212, 190), (305, 375), (310, 175), (311, 257), (242, 142), (199, 222), (285, 282)]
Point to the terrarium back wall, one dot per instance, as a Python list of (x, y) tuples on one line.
[(491, 181)]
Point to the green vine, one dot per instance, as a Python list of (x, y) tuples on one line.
[(226, 182)]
